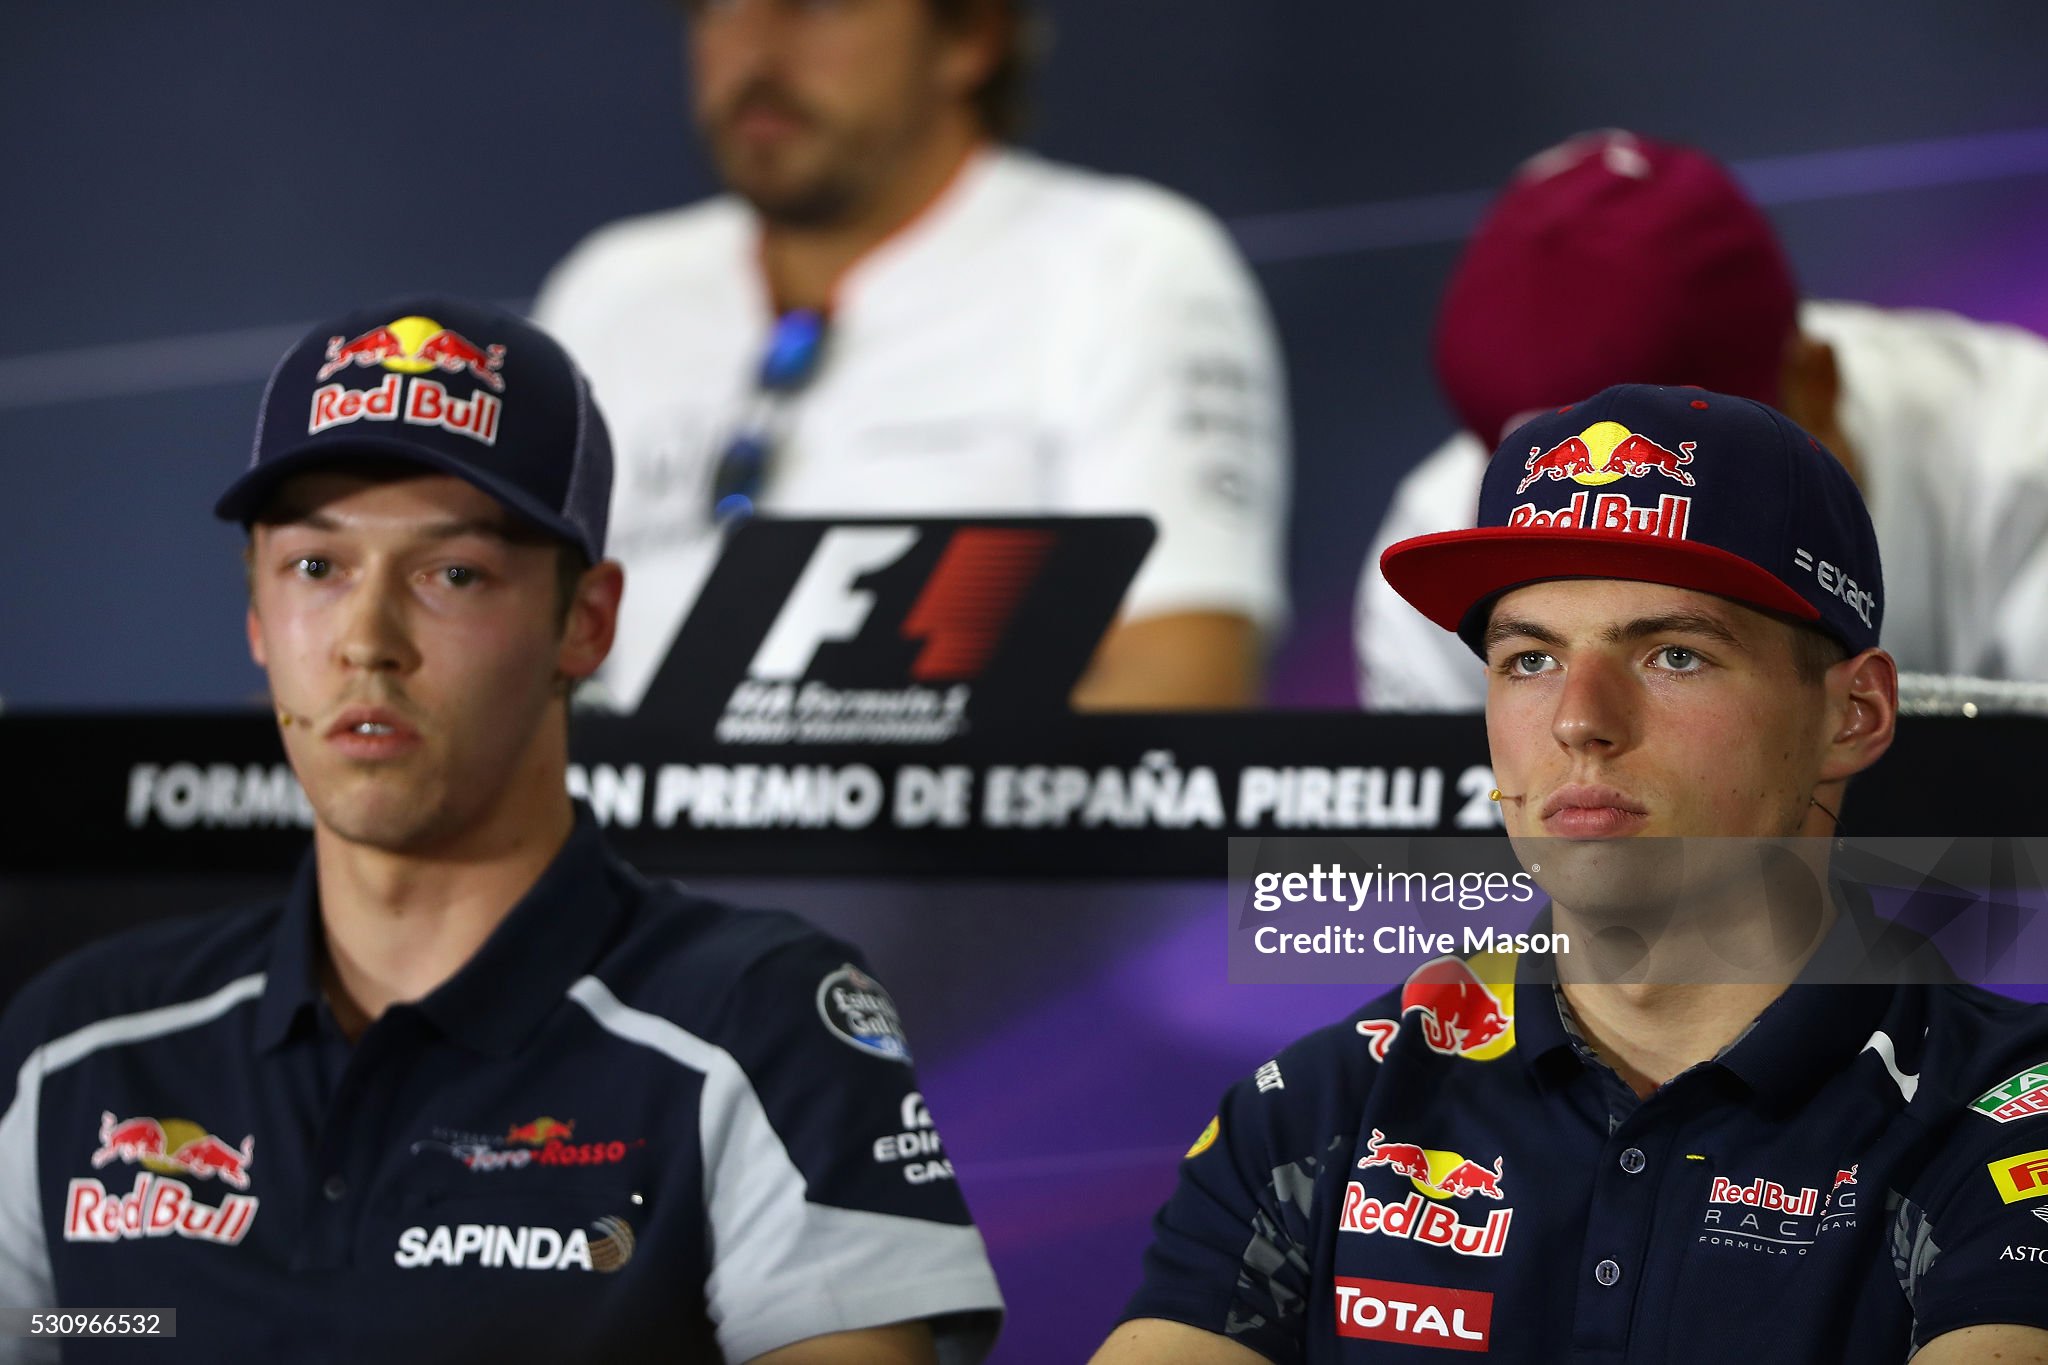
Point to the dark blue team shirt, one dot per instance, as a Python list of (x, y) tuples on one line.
[(637, 1125), (1452, 1171)]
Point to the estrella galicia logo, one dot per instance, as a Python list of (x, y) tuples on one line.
[(858, 1011)]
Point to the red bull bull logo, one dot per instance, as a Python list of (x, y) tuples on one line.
[(1428, 1215), (416, 345), (1438, 1174), (412, 348), (1604, 452), (173, 1146), (1404, 1158), (1461, 1015)]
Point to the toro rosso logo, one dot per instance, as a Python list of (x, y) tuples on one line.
[(1604, 452)]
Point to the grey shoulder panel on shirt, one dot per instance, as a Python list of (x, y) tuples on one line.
[(777, 1247)]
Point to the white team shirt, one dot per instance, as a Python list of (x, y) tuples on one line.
[(1949, 418), (1040, 340)]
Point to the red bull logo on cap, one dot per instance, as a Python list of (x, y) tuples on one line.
[(416, 345), (412, 348), (1464, 1008), (1604, 452)]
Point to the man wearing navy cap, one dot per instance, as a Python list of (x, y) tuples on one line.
[(476, 1086), (1677, 598)]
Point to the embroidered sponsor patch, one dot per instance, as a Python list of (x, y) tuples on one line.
[(860, 1013)]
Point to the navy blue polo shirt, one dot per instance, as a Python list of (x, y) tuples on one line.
[(1452, 1170), (636, 1125)]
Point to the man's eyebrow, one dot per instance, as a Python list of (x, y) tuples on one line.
[(1505, 626), (1672, 623), (491, 527), (1642, 627)]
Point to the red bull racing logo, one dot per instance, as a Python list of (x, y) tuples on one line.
[(1604, 452), (1427, 1215), (160, 1205), (412, 348), (416, 345), (1460, 1013), (1601, 454)]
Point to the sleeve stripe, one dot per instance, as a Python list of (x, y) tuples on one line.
[(25, 1276), (786, 1268)]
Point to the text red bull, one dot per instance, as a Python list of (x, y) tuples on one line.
[(1424, 1221), (1610, 512)]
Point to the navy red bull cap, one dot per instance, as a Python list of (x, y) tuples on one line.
[(462, 388), (1661, 485)]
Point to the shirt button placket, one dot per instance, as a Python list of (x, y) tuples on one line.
[(1624, 1205)]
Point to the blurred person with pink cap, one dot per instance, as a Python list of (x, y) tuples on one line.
[(1671, 275)]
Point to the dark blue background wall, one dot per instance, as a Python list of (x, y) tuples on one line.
[(183, 187)]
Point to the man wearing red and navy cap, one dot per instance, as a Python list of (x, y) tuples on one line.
[(475, 1087), (1677, 597), (1616, 258)]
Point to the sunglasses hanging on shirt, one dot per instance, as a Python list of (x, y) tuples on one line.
[(794, 349)]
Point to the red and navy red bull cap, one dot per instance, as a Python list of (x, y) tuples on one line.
[(1661, 485), (458, 387)]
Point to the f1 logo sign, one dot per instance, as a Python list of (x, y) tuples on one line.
[(960, 614), (824, 605)]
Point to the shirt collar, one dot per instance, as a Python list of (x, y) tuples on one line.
[(290, 987), (1823, 1019), (499, 998), (1802, 1036), (1540, 1034)]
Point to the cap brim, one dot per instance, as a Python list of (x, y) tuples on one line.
[(246, 496), (1448, 575)]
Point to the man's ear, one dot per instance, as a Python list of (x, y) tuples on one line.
[(592, 621), (1863, 713), (255, 629), (971, 50)]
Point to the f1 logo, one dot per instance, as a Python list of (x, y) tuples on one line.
[(960, 614), (824, 606)]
